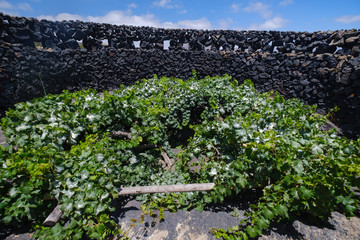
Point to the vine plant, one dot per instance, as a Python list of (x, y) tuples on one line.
[(63, 146)]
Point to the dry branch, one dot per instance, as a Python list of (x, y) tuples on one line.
[(167, 188), (167, 163), (217, 151), (55, 215), (121, 134)]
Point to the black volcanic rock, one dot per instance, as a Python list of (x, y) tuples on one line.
[(78, 35), (72, 44), (304, 67)]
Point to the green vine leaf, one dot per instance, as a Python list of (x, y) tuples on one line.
[(80, 148)]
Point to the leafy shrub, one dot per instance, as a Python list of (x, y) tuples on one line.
[(63, 146)]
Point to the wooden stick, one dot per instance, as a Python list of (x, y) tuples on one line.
[(121, 133), (217, 151), (53, 217), (167, 188), (167, 161)]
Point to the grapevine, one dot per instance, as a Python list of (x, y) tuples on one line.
[(62, 150)]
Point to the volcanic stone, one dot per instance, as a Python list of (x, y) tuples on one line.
[(78, 35), (72, 44), (352, 40)]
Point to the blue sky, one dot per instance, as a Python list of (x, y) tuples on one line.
[(282, 15)]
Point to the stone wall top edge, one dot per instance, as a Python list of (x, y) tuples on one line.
[(6, 16)]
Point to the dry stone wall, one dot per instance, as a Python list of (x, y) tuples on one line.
[(39, 57), (92, 36)]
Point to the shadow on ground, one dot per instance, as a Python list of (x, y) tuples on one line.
[(196, 225)]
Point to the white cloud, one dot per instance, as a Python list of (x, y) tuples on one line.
[(6, 5), (235, 7), (24, 7), (166, 4), (348, 19), (132, 5), (202, 23), (162, 3), (62, 16), (184, 11), (286, 2), (9, 12), (260, 8), (273, 23), (124, 18), (224, 23), (119, 18)]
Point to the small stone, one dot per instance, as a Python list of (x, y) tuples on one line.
[(344, 78), (222, 40), (21, 33), (288, 63), (323, 72), (296, 74), (308, 89), (37, 36), (339, 43), (355, 51), (352, 40), (355, 62), (79, 35), (261, 68), (277, 43), (304, 82), (305, 64), (289, 47), (264, 76), (159, 46), (72, 44), (299, 88)]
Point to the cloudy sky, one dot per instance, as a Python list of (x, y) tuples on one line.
[(284, 15)]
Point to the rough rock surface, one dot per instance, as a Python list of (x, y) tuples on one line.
[(179, 225), (196, 225), (191, 225)]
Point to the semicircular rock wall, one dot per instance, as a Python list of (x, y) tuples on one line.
[(39, 57)]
